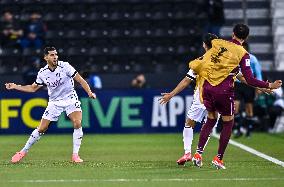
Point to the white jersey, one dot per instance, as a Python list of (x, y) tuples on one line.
[(196, 98), (197, 111), (59, 82)]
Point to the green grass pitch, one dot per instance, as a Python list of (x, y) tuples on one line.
[(137, 160)]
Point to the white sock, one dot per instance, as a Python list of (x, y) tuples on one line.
[(187, 139), (77, 139), (34, 137)]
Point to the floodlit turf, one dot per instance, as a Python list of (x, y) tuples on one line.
[(137, 160)]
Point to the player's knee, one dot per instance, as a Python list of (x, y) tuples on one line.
[(76, 123), (228, 118), (212, 115), (190, 123), (42, 129), (249, 113)]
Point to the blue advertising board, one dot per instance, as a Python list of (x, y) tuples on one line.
[(114, 111)]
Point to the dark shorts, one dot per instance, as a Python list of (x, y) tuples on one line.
[(219, 98), (244, 92)]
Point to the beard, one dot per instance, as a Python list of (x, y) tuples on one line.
[(54, 63)]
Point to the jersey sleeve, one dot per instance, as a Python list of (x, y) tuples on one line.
[(70, 70), (39, 80), (191, 75), (246, 70)]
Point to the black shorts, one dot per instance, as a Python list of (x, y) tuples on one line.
[(244, 92)]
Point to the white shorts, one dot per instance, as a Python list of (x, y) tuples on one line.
[(55, 108), (197, 111)]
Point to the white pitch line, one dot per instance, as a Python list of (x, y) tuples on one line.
[(253, 151), (142, 180)]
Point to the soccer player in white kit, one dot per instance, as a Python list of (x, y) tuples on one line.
[(59, 78), (197, 111)]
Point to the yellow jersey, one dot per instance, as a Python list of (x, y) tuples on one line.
[(218, 62)]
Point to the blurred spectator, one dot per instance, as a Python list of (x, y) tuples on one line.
[(139, 81), (30, 74), (34, 32), (277, 108), (95, 81), (216, 18), (11, 32)]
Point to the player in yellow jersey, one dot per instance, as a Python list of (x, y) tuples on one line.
[(197, 111), (218, 67)]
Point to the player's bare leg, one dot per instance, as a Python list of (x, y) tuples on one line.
[(187, 141), (76, 118), (34, 137)]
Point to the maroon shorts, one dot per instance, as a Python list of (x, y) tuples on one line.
[(219, 98)]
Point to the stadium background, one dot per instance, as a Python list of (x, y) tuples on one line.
[(110, 42), (115, 40)]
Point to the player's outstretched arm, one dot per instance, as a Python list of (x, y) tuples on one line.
[(246, 70), (85, 86), (241, 78), (26, 88), (181, 86)]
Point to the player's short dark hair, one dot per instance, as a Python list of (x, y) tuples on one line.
[(246, 46), (241, 31), (207, 39), (47, 49)]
